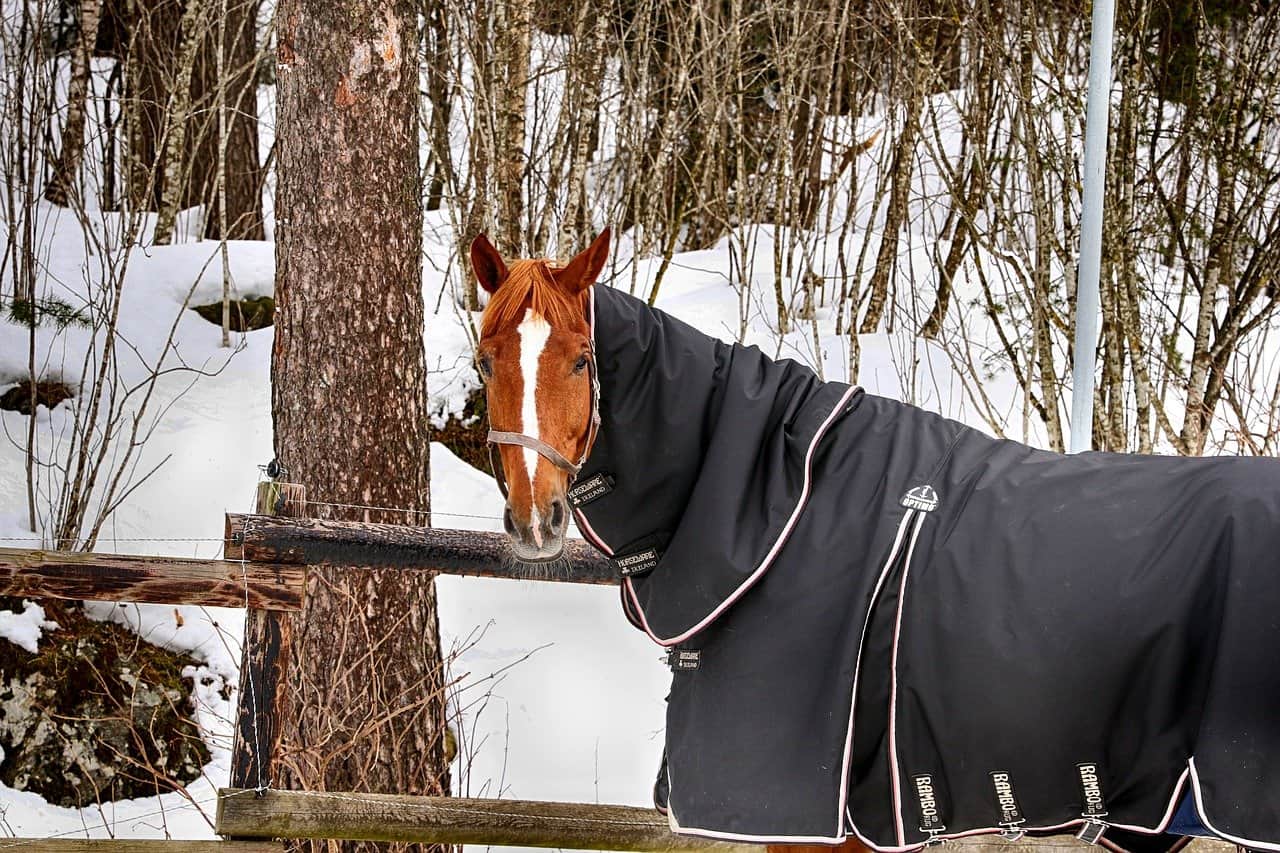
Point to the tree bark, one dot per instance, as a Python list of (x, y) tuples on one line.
[(903, 168), (513, 47), (349, 391), (244, 172), (66, 169), (171, 86), (178, 118)]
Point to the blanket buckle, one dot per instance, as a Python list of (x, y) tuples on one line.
[(1091, 832), (1012, 831)]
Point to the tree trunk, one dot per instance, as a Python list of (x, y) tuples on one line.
[(171, 87), (903, 167), (152, 30), (244, 173), (66, 169), (513, 47), (588, 72), (178, 119), (481, 151), (349, 391)]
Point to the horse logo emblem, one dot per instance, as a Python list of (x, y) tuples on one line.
[(923, 498)]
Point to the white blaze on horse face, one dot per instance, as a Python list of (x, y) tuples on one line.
[(534, 332)]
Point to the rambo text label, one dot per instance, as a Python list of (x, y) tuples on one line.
[(1010, 813), (930, 810), (1091, 787)]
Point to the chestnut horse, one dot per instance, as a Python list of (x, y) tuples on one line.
[(536, 360)]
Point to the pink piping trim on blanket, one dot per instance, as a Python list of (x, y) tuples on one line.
[(585, 528), (894, 774), (857, 667), (993, 830), (1204, 818), (773, 551)]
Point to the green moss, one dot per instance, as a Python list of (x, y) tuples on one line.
[(96, 715)]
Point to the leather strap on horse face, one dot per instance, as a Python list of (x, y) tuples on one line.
[(546, 451)]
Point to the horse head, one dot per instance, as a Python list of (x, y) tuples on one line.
[(536, 361)]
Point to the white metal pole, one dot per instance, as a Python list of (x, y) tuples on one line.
[(1095, 169)]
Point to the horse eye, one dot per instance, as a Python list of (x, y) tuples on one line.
[(581, 364), (486, 369)]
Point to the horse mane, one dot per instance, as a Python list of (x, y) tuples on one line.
[(530, 285)]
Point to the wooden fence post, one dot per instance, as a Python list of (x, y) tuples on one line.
[(264, 658)]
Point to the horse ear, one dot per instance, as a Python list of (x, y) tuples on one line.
[(487, 263), (585, 268)]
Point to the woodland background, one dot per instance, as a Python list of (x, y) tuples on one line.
[(874, 187)]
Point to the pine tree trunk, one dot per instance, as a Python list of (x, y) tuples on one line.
[(171, 86), (151, 36), (66, 170), (349, 391)]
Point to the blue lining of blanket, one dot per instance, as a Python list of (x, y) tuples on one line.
[(1186, 821)]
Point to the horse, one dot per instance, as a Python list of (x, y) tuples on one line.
[(887, 629)]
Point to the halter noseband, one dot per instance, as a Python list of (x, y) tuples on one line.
[(546, 451)]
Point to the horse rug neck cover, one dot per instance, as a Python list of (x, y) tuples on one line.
[(889, 625)]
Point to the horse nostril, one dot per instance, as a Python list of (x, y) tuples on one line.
[(557, 514), (508, 523)]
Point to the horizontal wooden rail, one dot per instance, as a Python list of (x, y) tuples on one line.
[(90, 576), (451, 820), (276, 539), (126, 845)]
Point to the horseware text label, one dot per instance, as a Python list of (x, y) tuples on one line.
[(637, 563), (595, 486), (684, 659)]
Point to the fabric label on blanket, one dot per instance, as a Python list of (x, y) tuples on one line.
[(684, 659), (595, 486), (922, 498), (929, 797), (638, 563), (1091, 788), (1010, 812)]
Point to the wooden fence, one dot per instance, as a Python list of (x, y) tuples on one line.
[(264, 571)]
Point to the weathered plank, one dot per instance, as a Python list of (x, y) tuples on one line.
[(163, 580), (264, 660), (269, 539), (125, 845), (451, 820)]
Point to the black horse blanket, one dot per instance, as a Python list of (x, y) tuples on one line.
[(886, 624)]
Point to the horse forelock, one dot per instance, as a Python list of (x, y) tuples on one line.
[(530, 286)]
